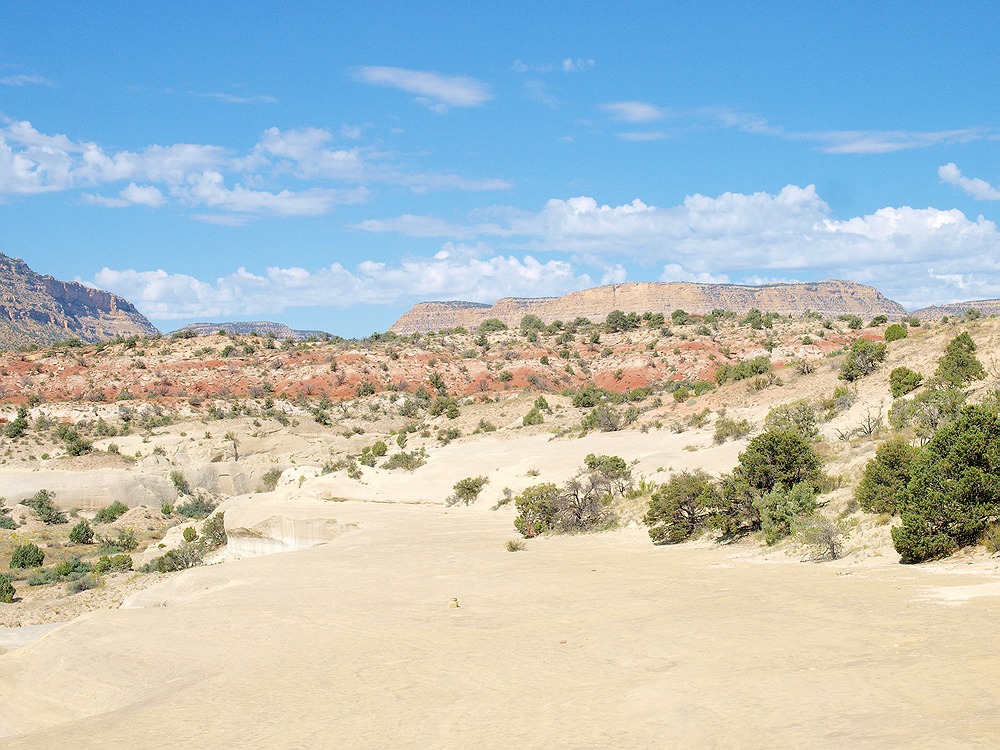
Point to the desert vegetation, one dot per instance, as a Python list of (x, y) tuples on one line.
[(800, 400)]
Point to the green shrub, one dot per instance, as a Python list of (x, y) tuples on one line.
[(7, 590), (514, 545), (727, 428), (82, 533), (953, 490), (492, 324), (797, 415), (197, 507), (531, 323), (959, 365), (185, 556), (406, 461), (928, 411), (608, 419), (536, 509), (621, 321), (213, 532), (862, 359), (190, 534), (27, 556), (467, 490), (533, 417), (45, 509), (84, 583), (743, 370), (269, 481), (884, 476), (19, 425), (111, 513), (444, 405), (113, 564), (783, 457), (582, 504), (680, 507), (772, 458), (124, 542), (6, 522), (895, 332), (780, 507), (180, 483), (903, 380)]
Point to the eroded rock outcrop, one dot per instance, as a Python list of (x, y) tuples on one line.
[(36, 309)]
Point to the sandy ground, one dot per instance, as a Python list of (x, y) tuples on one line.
[(584, 642)]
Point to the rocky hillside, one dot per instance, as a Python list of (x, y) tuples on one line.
[(829, 298), (984, 306), (261, 328), (36, 309)]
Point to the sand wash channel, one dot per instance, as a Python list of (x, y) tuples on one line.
[(587, 641)]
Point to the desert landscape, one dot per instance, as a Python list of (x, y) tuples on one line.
[(317, 541), (499, 375)]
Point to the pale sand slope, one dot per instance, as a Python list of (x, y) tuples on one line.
[(584, 642)]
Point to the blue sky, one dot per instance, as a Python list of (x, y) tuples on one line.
[(327, 165)]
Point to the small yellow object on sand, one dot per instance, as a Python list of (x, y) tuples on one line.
[(454, 602)]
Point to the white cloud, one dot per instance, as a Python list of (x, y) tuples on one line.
[(643, 136), (26, 79), (235, 98), (676, 272), (352, 132), (211, 177), (633, 111), (433, 89), (208, 189), (456, 272), (735, 236), (826, 141), (977, 188), (884, 141), (569, 65), (131, 195)]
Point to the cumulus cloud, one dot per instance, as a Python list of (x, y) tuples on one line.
[(210, 177), (677, 272), (455, 272), (434, 90), (633, 111), (131, 195), (790, 234), (977, 188)]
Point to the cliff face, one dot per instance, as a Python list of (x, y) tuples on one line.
[(829, 298), (36, 309)]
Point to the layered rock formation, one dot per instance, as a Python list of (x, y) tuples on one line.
[(984, 306), (36, 309), (829, 298)]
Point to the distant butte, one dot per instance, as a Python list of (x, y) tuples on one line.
[(829, 298)]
